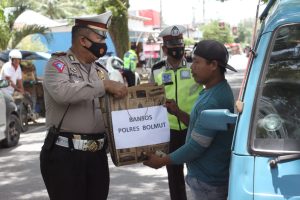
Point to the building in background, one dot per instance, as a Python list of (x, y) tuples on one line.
[(143, 30), (60, 35)]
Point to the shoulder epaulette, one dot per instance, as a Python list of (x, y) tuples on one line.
[(159, 65), (59, 53), (101, 66), (184, 63)]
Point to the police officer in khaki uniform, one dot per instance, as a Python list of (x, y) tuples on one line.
[(175, 74), (73, 159)]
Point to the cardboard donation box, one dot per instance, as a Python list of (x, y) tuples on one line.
[(137, 124)]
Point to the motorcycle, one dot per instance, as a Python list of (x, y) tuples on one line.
[(25, 109)]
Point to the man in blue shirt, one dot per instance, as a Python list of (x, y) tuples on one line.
[(206, 152)]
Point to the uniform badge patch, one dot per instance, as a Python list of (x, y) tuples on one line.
[(59, 65), (185, 74), (101, 74), (167, 78)]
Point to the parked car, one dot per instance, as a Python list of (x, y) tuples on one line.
[(115, 66), (10, 125), (266, 146)]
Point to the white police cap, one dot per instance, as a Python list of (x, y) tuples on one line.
[(173, 35), (98, 23)]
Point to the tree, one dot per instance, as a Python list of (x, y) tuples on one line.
[(118, 29), (10, 36), (245, 31), (27, 42), (3, 26), (214, 31), (59, 9), (189, 42)]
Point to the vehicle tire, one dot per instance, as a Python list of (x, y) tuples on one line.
[(23, 112), (12, 132)]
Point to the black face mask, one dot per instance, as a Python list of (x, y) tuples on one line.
[(176, 52), (97, 49)]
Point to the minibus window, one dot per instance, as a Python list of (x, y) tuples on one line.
[(276, 124)]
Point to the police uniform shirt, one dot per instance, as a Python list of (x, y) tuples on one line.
[(67, 81), (163, 66)]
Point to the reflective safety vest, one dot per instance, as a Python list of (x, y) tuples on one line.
[(180, 86), (130, 60)]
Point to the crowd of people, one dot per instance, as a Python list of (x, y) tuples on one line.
[(73, 85)]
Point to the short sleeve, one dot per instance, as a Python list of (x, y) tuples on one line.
[(19, 75), (5, 71)]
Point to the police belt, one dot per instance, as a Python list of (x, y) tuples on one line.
[(82, 142)]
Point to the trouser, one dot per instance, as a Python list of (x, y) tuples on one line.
[(202, 191), (130, 77), (74, 174), (175, 172)]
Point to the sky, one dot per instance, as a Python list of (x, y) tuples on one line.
[(184, 11)]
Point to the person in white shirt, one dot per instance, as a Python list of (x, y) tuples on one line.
[(11, 71)]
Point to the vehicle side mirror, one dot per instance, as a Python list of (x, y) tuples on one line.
[(218, 119), (4, 83), (115, 64)]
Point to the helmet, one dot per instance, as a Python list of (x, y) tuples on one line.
[(15, 54)]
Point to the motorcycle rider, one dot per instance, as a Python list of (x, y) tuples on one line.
[(11, 71)]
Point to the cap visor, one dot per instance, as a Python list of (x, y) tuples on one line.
[(99, 32), (231, 68), (174, 42)]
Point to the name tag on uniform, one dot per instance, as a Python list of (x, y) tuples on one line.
[(185, 74), (167, 79)]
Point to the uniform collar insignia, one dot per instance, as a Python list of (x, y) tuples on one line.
[(182, 64), (71, 57)]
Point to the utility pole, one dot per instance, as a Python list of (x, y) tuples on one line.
[(160, 15), (203, 11), (194, 20), (160, 28)]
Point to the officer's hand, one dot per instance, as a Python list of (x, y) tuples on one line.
[(117, 89), (172, 107)]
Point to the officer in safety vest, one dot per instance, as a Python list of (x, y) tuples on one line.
[(73, 159), (175, 74), (130, 62)]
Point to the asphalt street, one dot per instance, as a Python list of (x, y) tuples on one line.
[(20, 177)]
